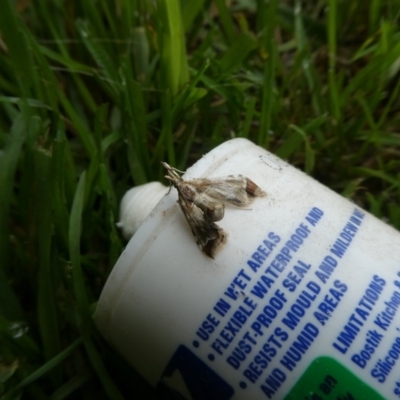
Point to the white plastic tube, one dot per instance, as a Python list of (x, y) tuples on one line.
[(302, 302)]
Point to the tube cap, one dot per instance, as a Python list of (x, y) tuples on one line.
[(137, 204)]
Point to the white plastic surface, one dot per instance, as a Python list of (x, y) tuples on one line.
[(164, 295), (137, 204)]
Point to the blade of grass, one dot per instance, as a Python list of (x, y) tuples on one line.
[(174, 69), (131, 13), (136, 167), (369, 172), (109, 140), (190, 93), (30, 102), (141, 54), (110, 28), (135, 107), (237, 53), (64, 60), (166, 134), (375, 205), (269, 74), (332, 51), (112, 213), (100, 120), (58, 32), (351, 188), (17, 47), (9, 304), (218, 127), (250, 109), (98, 366), (364, 79), (59, 168), (373, 135), (393, 97), (99, 28), (91, 181), (185, 150), (227, 23), (70, 386), (315, 29), (394, 214), (85, 324), (290, 145), (102, 58), (55, 94), (47, 310), (74, 235), (309, 152), (307, 64), (190, 10), (49, 365)]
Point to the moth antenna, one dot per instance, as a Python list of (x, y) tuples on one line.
[(178, 170), (169, 168)]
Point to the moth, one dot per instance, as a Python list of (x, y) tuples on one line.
[(203, 201)]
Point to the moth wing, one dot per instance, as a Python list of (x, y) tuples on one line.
[(194, 192), (209, 236), (212, 208), (237, 191)]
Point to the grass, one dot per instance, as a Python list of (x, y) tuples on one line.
[(93, 95)]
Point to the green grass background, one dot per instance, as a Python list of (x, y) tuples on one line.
[(94, 94)]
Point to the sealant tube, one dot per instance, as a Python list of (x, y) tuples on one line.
[(301, 302)]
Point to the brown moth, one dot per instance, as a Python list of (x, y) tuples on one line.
[(203, 201)]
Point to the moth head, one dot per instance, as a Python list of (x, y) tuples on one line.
[(172, 174)]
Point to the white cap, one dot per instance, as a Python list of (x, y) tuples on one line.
[(137, 204)]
